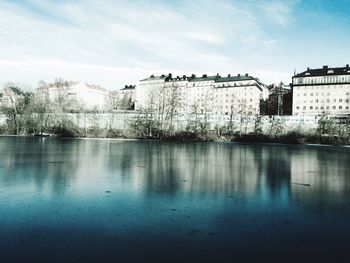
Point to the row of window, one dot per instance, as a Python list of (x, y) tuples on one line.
[(330, 79), (328, 101), (340, 107), (317, 94), (323, 87)]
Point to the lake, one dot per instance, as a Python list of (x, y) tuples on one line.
[(72, 200)]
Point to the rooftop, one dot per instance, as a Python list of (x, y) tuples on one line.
[(239, 77), (129, 87), (204, 77), (324, 71)]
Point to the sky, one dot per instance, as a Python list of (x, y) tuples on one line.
[(117, 43)]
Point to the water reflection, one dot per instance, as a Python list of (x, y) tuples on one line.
[(300, 174), (160, 196)]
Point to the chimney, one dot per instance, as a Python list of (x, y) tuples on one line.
[(239, 75), (229, 75), (347, 65), (217, 74), (126, 86), (193, 76), (204, 75), (169, 75), (246, 74), (325, 67), (308, 69)]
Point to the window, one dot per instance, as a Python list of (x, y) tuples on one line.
[(334, 107), (297, 107), (340, 107), (340, 100), (311, 107), (316, 100)]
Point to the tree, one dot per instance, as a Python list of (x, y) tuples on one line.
[(14, 104), (172, 106), (38, 114), (145, 124), (125, 103), (112, 102)]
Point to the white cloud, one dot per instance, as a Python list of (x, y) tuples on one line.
[(280, 11), (113, 43)]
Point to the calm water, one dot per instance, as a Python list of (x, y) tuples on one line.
[(107, 200)]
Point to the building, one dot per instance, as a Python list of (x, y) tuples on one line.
[(238, 94), (279, 101), (80, 94), (204, 94), (148, 90), (322, 91), (125, 97)]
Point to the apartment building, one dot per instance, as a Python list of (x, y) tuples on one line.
[(322, 90), (203, 94), (80, 94)]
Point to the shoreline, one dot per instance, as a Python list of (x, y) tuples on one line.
[(183, 141)]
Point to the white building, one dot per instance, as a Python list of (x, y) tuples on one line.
[(127, 92), (148, 90), (238, 94), (323, 90), (85, 95), (205, 94)]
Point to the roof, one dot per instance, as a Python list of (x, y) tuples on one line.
[(152, 77), (241, 85), (204, 77), (235, 78), (129, 87), (324, 71)]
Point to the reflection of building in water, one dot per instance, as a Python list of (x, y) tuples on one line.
[(319, 177), (221, 169)]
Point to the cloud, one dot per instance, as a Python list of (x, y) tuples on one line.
[(280, 11), (59, 38)]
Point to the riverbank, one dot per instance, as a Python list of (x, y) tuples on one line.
[(289, 138)]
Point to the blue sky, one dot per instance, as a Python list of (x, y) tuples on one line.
[(113, 43)]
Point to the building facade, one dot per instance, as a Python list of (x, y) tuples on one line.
[(204, 94), (125, 97), (81, 94), (322, 91)]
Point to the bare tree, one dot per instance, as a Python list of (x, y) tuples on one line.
[(14, 104), (111, 105)]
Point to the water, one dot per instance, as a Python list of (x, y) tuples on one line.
[(67, 200)]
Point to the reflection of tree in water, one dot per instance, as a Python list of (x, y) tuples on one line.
[(44, 162), (276, 160), (326, 170), (207, 168), (161, 172), (238, 170)]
